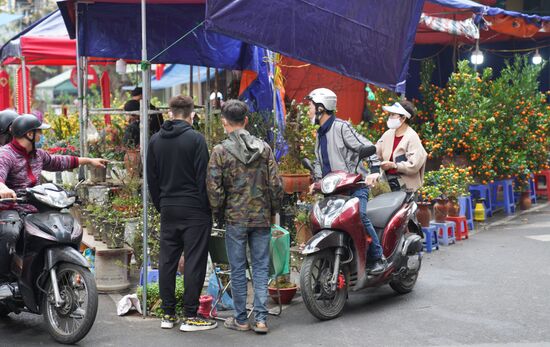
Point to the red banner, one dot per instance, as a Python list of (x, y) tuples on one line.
[(5, 96), (20, 95), (106, 94)]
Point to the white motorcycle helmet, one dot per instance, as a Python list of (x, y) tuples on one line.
[(323, 97)]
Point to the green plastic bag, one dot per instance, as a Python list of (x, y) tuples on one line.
[(279, 251)]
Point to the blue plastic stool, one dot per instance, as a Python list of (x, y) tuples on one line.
[(446, 232), (532, 190), (431, 240), (482, 191), (152, 276), (508, 202), (467, 210)]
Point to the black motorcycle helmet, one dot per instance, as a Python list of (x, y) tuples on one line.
[(27, 123), (6, 118)]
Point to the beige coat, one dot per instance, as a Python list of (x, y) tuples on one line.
[(411, 169)]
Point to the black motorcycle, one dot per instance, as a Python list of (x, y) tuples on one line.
[(47, 274)]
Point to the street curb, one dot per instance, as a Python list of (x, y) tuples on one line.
[(482, 227)]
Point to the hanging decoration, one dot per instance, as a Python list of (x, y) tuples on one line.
[(20, 95), (105, 83), (465, 28), (5, 96)]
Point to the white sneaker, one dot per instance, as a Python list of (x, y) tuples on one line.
[(168, 321)]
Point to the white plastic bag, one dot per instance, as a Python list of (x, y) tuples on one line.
[(127, 303)]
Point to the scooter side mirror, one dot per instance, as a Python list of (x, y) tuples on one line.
[(366, 151)]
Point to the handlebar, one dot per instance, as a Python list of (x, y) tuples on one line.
[(19, 199)]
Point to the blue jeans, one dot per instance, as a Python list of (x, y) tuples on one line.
[(375, 249), (258, 240)]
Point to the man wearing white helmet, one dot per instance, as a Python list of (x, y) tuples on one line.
[(337, 148)]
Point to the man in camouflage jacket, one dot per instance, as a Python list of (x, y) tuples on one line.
[(243, 184)]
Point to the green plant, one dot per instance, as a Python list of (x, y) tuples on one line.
[(290, 163), (450, 180), (282, 282), (302, 216), (153, 239), (154, 301)]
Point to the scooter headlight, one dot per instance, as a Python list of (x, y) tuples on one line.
[(328, 213), (329, 183)]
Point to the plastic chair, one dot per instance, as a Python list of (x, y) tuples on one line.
[(446, 232), (461, 231), (431, 240), (508, 203), (542, 183), (467, 210), (482, 191)]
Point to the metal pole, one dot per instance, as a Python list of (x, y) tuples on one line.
[(191, 81), (146, 82), (25, 90), (79, 88), (84, 75), (200, 85), (208, 107)]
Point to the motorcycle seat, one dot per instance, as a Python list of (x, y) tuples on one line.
[(383, 207)]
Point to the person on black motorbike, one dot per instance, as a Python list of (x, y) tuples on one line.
[(21, 165), (337, 148), (6, 118)]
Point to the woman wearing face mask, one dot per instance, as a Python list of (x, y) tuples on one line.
[(402, 153)]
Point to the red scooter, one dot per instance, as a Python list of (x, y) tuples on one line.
[(336, 256)]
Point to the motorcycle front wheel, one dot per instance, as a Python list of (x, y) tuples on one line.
[(319, 298), (70, 322)]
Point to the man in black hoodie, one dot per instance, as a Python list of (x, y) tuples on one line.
[(176, 173)]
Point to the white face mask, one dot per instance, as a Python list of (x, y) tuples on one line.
[(394, 123)]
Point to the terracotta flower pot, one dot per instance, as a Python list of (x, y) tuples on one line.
[(440, 210), (453, 209), (296, 183), (132, 162), (424, 215), (525, 200), (303, 232), (287, 294)]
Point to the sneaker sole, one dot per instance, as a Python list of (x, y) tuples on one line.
[(191, 328), (163, 326)]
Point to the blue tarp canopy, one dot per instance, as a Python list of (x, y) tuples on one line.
[(369, 40), (177, 74)]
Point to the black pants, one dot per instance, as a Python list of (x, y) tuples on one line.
[(10, 230), (188, 230)]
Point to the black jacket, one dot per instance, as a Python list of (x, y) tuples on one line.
[(176, 167)]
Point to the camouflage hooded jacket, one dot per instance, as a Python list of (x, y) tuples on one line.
[(243, 182)]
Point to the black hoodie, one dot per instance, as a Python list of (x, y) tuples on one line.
[(176, 167)]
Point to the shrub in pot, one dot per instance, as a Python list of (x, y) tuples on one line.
[(283, 286)]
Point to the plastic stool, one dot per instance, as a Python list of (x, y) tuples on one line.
[(543, 190), (431, 240), (461, 231), (446, 232), (508, 203), (482, 191), (152, 276), (467, 210)]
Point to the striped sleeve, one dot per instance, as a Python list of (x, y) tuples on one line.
[(57, 162)]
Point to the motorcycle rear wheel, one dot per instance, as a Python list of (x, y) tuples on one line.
[(72, 321), (320, 301), (405, 285)]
